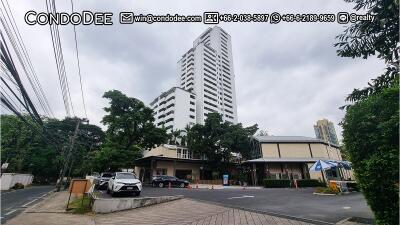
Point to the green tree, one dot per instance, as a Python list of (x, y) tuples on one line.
[(217, 140), (31, 149), (16, 137), (130, 129), (111, 157), (370, 126), (378, 37), (175, 137), (371, 132)]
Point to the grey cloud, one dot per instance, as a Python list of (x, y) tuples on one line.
[(287, 75)]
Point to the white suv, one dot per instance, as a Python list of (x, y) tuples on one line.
[(123, 182)]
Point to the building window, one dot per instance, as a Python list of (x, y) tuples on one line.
[(192, 103), (191, 110), (184, 153), (191, 116)]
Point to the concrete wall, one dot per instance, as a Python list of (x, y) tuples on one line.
[(294, 151), (300, 150), (102, 205), (8, 180), (270, 150), (169, 165), (319, 151), (334, 153)]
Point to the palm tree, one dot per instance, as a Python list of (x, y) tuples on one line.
[(184, 134), (175, 137)]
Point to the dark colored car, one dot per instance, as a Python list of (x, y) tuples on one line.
[(164, 181), (102, 182)]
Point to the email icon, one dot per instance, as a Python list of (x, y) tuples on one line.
[(126, 17)]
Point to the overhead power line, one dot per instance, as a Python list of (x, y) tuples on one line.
[(59, 58), (9, 64), (79, 65), (12, 31)]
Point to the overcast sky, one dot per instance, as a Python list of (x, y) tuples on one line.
[(287, 75)]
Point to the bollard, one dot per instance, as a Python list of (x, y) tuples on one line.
[(169, 185), (212, 187)]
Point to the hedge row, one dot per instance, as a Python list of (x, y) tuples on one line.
[(277, 183), (310, 183), (284, 183)]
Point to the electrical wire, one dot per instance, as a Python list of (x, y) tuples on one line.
[(79, 66), (12, 31)]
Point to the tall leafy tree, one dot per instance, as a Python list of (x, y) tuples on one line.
[(371, 125), (130, 129), (129, 122), (217, 140), (29, 150), (378, 37), (371, 137)]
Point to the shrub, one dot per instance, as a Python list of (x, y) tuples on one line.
[(18, 186), (353, 187), (326, 190), (276, 183), (78, 206), (371, 138), (310, 183)]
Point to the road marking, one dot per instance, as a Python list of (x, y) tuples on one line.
[(346, 207), (10, 212), (26, 205), (43, 195), (244, 196)]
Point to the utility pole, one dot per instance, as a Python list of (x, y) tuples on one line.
[(66, 161)]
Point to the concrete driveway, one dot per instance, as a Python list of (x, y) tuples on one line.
[(300, 203)]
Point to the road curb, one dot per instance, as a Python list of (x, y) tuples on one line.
[(324, 194), (109, 205)]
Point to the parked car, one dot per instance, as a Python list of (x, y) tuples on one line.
[(102, 181), (124, 182), (164, 181)]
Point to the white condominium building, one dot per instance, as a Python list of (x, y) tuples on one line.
[(174, 109), (207, 70)]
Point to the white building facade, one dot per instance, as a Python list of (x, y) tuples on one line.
[(207, 71), (174, 109)]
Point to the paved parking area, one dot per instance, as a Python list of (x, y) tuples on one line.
[(183, 211), (186, 211), (289, 203)]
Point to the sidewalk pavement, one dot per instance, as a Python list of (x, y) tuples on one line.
[(184, 211), (50, 211)]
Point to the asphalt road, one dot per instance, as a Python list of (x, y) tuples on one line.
[(299, 203), (14, 202)]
